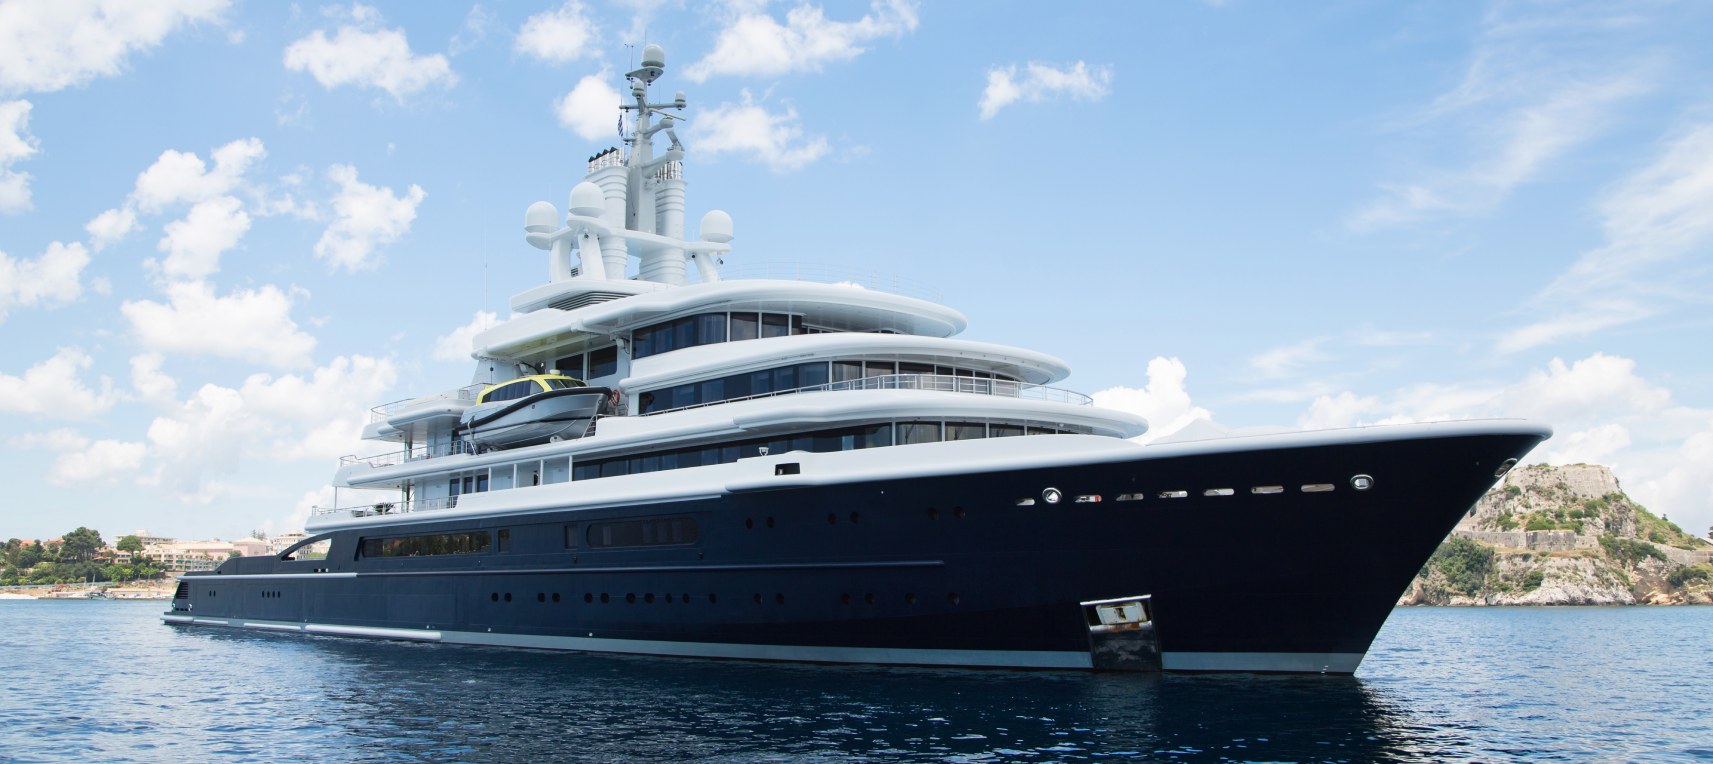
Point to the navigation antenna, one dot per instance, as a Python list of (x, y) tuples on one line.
[(641, 161)]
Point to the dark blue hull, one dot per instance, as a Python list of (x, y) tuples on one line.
[(939, 570)]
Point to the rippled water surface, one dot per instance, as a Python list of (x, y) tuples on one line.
[(106, 681)]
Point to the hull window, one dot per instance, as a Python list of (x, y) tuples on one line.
[(473, 542), (661, 531)]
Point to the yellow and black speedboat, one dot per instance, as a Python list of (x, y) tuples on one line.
[(533, 409)]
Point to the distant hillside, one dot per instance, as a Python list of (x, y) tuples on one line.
[(1564, 536)]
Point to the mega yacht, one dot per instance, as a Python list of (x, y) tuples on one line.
[(657, 457)]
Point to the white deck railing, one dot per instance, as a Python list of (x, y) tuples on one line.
[(935, 382), (390, 507), (466, 393)]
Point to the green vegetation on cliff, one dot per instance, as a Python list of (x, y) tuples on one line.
[(1466, 564)]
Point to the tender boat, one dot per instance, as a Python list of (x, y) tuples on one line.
[(534, 409), (815, 468)]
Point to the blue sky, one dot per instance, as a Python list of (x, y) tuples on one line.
[(228, 229)]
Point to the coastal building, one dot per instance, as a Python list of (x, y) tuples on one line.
[(184, 556)]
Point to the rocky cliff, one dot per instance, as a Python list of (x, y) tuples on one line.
[(1564, 536)]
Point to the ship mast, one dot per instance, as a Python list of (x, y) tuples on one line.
[(633, 207)]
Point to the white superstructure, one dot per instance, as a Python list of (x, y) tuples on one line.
[(704, 372)]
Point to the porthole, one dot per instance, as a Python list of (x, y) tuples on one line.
[(832, 519), (494, 597), (604, 598), (933, 513), (910, 598), (556, 596), (770, 522), (749, 522), (1267, 489), (1025, 502), (1362, 482), (630, 599), (958, 512), (508, 596), (779, 598), (1173, 494), (1218, 492), (868, 599), (669, 598), (1129, 497), (856, 517), (758, 598), (952, 598), (588, 597), (1317, 488), (648, 598), (713, 598), (1052, 495), (1091, 498), (845, 598), (540, 596)]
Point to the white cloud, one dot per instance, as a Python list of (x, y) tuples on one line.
[(249, 324), (62, 439), (366, 218), (457, 345), (362, 54), (754, 43), (54, 389), (194, 244), (1164, 401), (51, 278), (1656, 220), (1038, 82), (591, 109), (109, 227), (102, 462), (563, 34), (290, 417), (47, 45), (1602, 409), (149, 382), (750, 130), (1538, 84), (477, 22), (1285, 360), (182, 177), (16, 145)]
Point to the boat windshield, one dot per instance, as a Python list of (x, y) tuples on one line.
[(562, 383)]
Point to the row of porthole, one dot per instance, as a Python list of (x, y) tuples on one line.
[(271, 595), (1054, 496), (868, 598), (649, 598)]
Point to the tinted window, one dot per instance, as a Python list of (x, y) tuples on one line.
[(918, 432), (711, 327), (745, 326), (421, 546), (652, 532), (965, 431), (775, 325), (604, 362), (845, 371)]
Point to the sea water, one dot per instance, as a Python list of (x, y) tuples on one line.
[(106, 681)]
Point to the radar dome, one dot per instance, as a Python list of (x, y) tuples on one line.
[(654, 55), (717, 227), (587, 200), (541, 218)]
